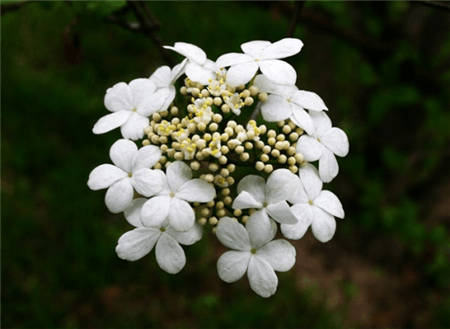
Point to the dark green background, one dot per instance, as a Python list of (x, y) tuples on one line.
[(383, 71)]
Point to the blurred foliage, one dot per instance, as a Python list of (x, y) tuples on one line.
[(58, 58)]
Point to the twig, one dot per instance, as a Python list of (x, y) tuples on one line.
[(149, 25), (296, 14), (13, 7), (434, 4)]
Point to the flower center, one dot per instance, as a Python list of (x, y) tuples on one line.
[(253, 251), (265, 204), (134, 110), (172, 195), (130, 174), (162, 229), (311, 202)]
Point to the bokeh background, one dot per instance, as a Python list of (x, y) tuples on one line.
[(382, 68)]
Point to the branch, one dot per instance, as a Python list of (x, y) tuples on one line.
[(434, 4), (148, 26), (297, 9)]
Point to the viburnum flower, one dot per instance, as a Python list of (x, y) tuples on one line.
[(265, 56), (255, 253), (137, 243), (208, 158), (172, 201), (287, 102), (131, 105), (314, 207), (131, 173), (323, 145)]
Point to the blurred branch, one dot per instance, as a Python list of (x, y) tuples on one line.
[(148, 26), (13, 7), (296, 14), (434, 4)]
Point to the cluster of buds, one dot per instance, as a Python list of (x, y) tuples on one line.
[(234, 148)]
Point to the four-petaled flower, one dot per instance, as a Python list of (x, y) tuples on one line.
[(254, 253), (131, 172)]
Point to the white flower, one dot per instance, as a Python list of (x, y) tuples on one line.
[(137, 243), (286, 102), (270, 197), (199, 68), (314, 207), (214, 147), (265, 56), (252, 128), (164, 78), (131, 105), (131, 172), (253, 253), (188, 148), (218, 85), (235, 103), (323, 145), (202, 111), (172, 202)]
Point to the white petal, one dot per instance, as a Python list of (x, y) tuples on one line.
[(137, 243), (155, 211), (181, 215), (255, 185), (280, 185), (233, 234), (281, 49), (329, 202), (255, 48), (111, 121), (169, 99), (304, 214), (261, 229), (165, 190), (141, 89), (146, 182), (196, 190), (276, 108), (328, 166), (133, 212), (161, 77), (177, 71), (133, 128), (246, 201), (199, 73), (119, 195), (262, 277), (309, 100), (233, 59), (310, 180), (122, 153), (190, 51), (153, 102), (169, 254), (232, 265), (278, 72), (118, 98), (146, 157), (323, 225), (309, 147), (177, 174), (265, 85), (281, 212), (187, 238), (299, 196), (302, 119), (104, 176), (241, 73), (322, 122), (280, 255), (336, 140)]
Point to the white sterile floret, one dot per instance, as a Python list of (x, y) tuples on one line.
[(131, 172), (265, 56), (137, 243), (164, 78), (270, 198), (199, 68), (131, 105), (314, 207), (254, 253), (286, 102), (326, 142), (172, 202)]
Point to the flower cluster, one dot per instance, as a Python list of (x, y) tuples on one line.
[(234, 149)]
